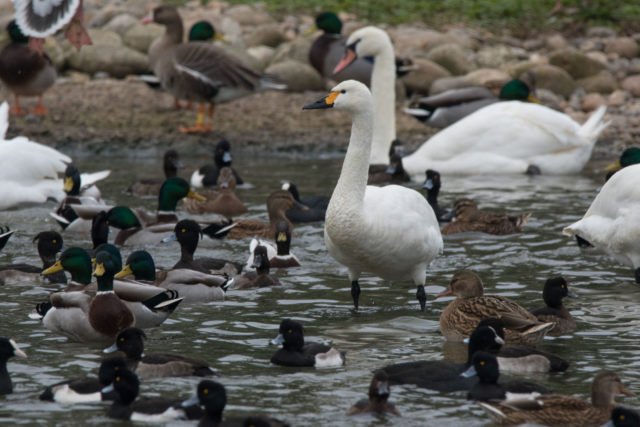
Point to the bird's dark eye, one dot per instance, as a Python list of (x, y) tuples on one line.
[(343, 91)]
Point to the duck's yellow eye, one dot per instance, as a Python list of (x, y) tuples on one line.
[(116, 368), (482, 363), (622, 417), (121, 339), (205, 391), (184, 230), (562, 286), (54, 240), (289, 331), (117, 378)]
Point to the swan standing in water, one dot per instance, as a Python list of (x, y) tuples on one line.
[(389, 231), (502, 138)]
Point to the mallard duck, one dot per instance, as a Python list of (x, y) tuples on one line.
[(8, 349), (362, 219), (374, 42), (611, 222), (394, 174), (155, 365), (207, 175), (188, 233), (278, 203), (80, 189), (198, 71), (126, 385), (448, 107), (25, 72), (630, 156), (259, 278), (88, 389), (5, 234), (513, 357), (485, 367), (149, 305), (317, 205), (213, 397), (151, 186), (555, 289), (377, 403), (462, 315), (279, 255), (445, 376), (223, 202), (192, 285), (49, 244), (84, 317), (295, 352), (28, 170), (623, 417), (468, 217), (432, 184), (40, 19), (560, 409)]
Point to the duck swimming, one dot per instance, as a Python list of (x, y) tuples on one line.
[(223, 202), (279, 255), (207, 175), (317, 205), (432, 184), (8, 349), (151, 186), (468, 217), (389, 231), (555, 289), (295, 352), (378, 398), (259, 278), (49, 244)]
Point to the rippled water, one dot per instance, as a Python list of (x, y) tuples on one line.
[(233, 335)]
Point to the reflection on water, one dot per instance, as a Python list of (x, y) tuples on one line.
[(233, 335)]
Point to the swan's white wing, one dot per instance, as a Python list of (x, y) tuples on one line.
[(4, 119), (27, 161)]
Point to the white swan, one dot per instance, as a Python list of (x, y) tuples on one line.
[(509, 137), (503, 138), (372, 41), (28, 170), (389, 231), (612, 221)]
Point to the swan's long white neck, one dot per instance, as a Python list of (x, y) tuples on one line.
[(349, 191), (383, 88)]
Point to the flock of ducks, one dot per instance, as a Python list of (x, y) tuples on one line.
[(392, 231)]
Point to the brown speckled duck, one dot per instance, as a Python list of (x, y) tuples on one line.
[(278, 203), (259, 278), (377, 402), (554, 291), (462, 315), (198, 71), (223, 202), (24, 71), (563, 410), (469, 218)]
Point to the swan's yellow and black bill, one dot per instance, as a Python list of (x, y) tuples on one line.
[(326, 102)]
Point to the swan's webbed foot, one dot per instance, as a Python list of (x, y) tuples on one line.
[(355, 293), (533, 170), (422, 297)]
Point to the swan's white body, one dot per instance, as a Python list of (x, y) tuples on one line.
[(612, 222), (28, 170), (390, 231), (506, 138)]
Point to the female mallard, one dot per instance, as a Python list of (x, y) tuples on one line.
[(151, 186), (279, 255), (461, 316), (468, 217), (49, 244), (611, 222), (223, 202), (555, 289), (563, 410), (361, 219), (503, 138), (155, 365), (378, 401), (207, 175), (42, 18), (278, 203), (25, 72), (192, 285), (198, 71), (448, 107), (432, 184)]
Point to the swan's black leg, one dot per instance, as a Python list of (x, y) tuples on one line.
[(636, 273), (355, 293), (422, 297)]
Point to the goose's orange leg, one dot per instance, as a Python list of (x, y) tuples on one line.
[(40, 110), (199, 126), (17, 110)]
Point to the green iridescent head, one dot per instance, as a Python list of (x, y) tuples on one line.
[(202, 31), (77, 262), (104, 271), (515, 90), (114, 252), (630, 156), (123, 218), (329, 23), (141, 265), (15, 33), (172, 191)]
